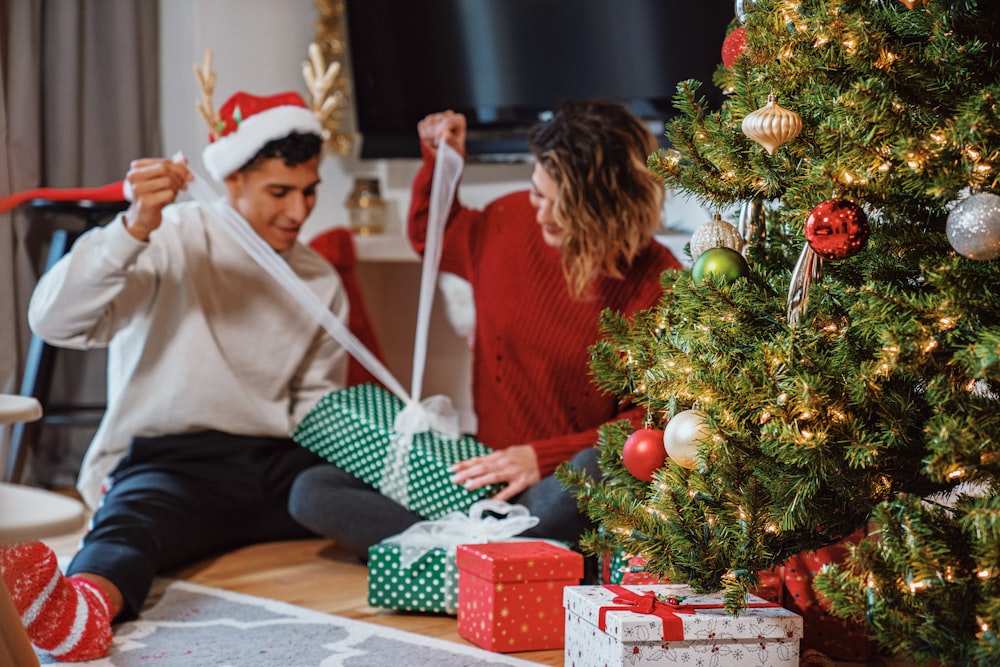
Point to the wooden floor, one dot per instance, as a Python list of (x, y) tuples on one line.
[(316, 575)]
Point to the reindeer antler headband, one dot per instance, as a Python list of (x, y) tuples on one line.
[(246, 123)]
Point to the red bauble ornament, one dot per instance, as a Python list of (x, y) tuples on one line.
[(837, 228), (733, 46), (644, 453)]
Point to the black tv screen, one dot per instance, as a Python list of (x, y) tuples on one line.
[(506, 63)]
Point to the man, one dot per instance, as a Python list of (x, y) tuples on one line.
[(210, 366)]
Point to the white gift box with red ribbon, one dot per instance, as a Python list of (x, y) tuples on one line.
[(669, 624)]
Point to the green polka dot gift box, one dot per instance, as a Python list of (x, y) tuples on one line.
[(353, 429), (428, 584)]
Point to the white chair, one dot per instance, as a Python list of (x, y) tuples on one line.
[(27, 513)]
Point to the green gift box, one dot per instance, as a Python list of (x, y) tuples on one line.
[(428, 584), (353, 429)]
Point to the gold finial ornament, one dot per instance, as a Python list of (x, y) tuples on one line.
[(772, 125)]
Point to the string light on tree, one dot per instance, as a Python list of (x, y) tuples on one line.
[(682, 436), (772, 125), (837, 228), (973, 226), (715, 233), (644, 453)]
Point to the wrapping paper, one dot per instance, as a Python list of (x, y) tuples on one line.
[(604, 627), (416, 570), (510, 594)]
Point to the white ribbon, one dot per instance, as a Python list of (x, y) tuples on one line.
[(243, 234), (434, 413), (457, 528)]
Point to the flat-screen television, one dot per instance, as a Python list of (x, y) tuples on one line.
[(506, 63)]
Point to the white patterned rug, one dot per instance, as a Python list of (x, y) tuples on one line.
[(189, 625)]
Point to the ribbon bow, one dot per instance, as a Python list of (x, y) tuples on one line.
[(457, 528), (667, 610)]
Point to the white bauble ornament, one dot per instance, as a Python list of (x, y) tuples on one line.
[(973, 226), (684, 432), (714, 233)]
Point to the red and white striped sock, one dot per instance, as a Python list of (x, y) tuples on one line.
[(69, 617)]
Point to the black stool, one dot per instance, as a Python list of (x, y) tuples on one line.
[(71, 218)]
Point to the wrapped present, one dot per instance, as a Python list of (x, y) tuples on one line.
[(510, 594), (839, 639), (613, 564), (771, 586), (416, 571), (355, 429), (669, 623)]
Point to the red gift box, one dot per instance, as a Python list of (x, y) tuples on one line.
[(510, 594)]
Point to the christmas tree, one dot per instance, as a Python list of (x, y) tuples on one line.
[(836, 367)]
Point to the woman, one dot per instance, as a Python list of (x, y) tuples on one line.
[(543, 264)]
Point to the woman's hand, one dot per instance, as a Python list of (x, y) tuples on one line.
[(517, 466), (155, 183), (446, 126)]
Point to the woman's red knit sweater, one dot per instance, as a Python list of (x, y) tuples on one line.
[(531, 379)]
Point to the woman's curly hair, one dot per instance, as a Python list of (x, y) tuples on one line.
[(608, 202)]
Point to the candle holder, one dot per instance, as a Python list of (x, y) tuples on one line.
[(365, 207)]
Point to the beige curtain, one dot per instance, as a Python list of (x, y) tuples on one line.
[(79, 99)]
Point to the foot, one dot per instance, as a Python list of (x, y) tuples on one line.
[(69, 617)]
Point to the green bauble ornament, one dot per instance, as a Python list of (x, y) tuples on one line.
[(724, 262)]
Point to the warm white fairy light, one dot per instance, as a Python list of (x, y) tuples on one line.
[(958, 473), (972, 153), (806, 415), (930, 346), (937, 137), (885, 167), (885, 59), (984, 574), (983, 168), (916, 586)]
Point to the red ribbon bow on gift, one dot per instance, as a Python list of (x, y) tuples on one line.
[(667, 611)]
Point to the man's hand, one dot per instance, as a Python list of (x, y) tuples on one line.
[(446, 126), (155, 183), (517, 466)]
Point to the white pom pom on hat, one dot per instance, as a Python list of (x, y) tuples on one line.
[(250, 122)]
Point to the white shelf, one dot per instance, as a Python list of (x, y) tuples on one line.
[(384, 248), (393, 248)]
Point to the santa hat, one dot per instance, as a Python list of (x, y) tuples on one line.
[(247, 123)]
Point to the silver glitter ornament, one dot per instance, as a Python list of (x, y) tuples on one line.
[(714, 233), (973, 227)]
